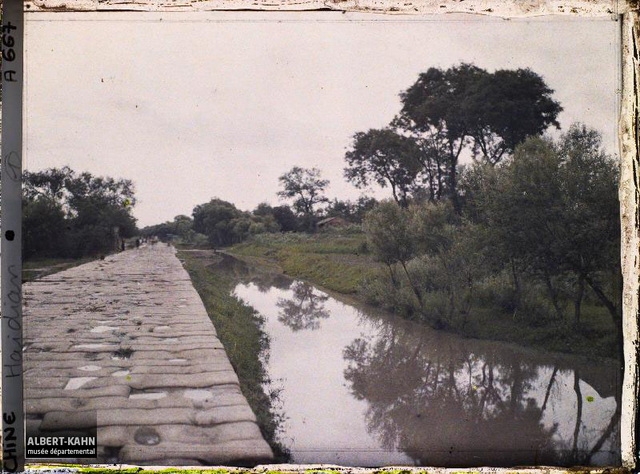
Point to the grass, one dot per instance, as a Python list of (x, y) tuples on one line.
[(239, 329), (331, 260), (596, 336)]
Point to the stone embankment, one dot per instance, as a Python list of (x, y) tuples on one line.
[(125, 343)]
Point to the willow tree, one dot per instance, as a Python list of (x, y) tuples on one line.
[(555, 208)]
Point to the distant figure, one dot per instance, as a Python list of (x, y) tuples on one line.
[(122, 245), (137, 243)]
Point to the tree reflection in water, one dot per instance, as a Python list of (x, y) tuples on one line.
[(241, 271), (444, 405), (304, 309)]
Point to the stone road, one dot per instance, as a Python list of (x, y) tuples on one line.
[(126, 342)]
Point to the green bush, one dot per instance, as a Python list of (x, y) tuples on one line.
[(379, 290)]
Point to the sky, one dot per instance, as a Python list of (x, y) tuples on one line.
[(192, 106)]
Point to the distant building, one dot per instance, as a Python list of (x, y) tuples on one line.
[(331, 222)]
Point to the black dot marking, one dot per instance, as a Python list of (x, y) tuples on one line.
[(10, 235)]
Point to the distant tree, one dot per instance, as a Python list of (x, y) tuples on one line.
[(351, 211), (84, 214), (276, 219), (183, 227), (180, 227), (386, 158), (306, 188), (362, 206), (286, 219), (220, 221), (340, 208), (263, 209)]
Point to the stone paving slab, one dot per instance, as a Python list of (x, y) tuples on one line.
[(127, 341)]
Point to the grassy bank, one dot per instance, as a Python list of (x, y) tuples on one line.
[(239, 329), (332, 260), (340, 262)]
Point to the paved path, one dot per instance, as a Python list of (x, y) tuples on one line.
[(128, 338)]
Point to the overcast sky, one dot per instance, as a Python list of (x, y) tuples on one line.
[(195, 106)]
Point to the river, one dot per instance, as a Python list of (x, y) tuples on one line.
[(360, 387)]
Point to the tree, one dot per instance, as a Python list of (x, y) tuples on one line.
[(510, 106), (44, 228), (82, 213), (286, 219), (351, 211), (390, 236), (386, 158), (180, 227), (220, 221), (49, 183), (306, 188), (554, 208), (467, 106), (433, 108), (280, 218), (589, 179)]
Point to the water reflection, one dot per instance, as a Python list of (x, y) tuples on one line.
[(304, 309), (368, 388), (447, 405)]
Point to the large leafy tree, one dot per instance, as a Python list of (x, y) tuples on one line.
[(306, 188), (466, 106), (386, 158), (432, 110), (508, 106)]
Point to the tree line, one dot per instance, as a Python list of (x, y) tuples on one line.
[(538, 236), (219, 223), (444, 113), (529, 228), (72, 215)]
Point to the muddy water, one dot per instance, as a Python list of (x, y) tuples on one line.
[(360, 387)]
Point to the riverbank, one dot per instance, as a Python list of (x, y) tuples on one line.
[(335, 261), (239, 329), (340, 262)]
